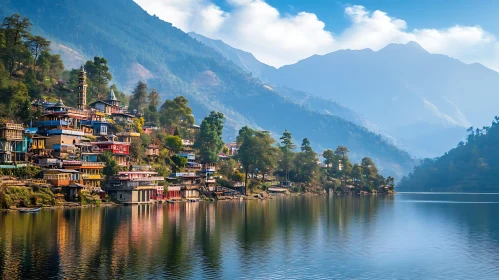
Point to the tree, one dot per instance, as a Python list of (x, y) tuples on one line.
[(136, 150), (174, 143), (255, 151), (151, 113), (306, 169), (175, 113), (99, 75), (342, 152), (37, 44), (178, 162), (209, 142), (138, 100), (329, 160), (153, 98), (287, 146), (111, 168), (15, 32), (227, 168)]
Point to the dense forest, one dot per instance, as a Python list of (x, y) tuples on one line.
[(473, 166), (139, 46), (29, 72)]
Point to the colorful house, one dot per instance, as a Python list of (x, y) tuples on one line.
[(120, 150), (136, 187), (13, 145)]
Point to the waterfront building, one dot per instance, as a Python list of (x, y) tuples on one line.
[(90, 172), (62, 177), (136, 187)]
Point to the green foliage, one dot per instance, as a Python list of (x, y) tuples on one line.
[(287, 146), (306, 168), (175, 113), (137, 150), (111, 168), (209, 142), (138, 100), (227, 168), (25, 172), (470, 167), (256, 151), (174, 143), (178, 162), (25, 197), (99, 77)]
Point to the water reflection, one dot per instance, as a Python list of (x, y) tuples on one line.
[(294, 237)]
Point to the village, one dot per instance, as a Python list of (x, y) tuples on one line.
[(67, 143)]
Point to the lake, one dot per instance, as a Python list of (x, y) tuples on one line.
[(404, 236)]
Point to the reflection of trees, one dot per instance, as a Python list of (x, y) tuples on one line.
[(171, 240)]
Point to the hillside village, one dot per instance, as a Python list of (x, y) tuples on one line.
[(70, 137)]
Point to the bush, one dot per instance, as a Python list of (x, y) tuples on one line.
[(225, 183)]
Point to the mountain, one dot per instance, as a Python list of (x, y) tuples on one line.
[(243, 59), (248, 62), (140, 46), (402, 88), (470, 167)]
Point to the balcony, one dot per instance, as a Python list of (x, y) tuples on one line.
[(12, 126), (128, 134), (52, 123), (91, 163), (91, 177)]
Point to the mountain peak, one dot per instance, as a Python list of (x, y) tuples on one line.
[(409, 46)]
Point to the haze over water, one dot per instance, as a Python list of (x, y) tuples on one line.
[(405, 236)]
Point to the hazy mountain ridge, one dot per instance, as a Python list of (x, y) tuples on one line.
[(177, 64)]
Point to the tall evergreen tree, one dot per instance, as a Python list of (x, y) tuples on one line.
[(99, 75), (138, 100), (287, 146), (209, 142)]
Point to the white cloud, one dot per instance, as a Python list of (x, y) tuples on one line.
[(278, 39)]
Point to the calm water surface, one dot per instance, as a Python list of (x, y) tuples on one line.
[(406, 236)]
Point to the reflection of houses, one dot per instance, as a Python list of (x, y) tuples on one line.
[(136, 187), (13, 146)]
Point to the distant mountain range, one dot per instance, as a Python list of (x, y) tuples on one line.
[(424, 102), (140, 46)]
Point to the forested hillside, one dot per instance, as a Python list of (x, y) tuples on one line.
[(473, 166), (138, 46)]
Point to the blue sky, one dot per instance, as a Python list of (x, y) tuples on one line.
[(282, 32), (419, 13)]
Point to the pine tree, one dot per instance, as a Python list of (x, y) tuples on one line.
[(138, 100)]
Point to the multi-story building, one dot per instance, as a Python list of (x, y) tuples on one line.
[(63, 127), (90, 172), (62, 177), (136, 187), (13, 145), (120, 150)]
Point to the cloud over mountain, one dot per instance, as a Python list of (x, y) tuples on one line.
[(279, 39)]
